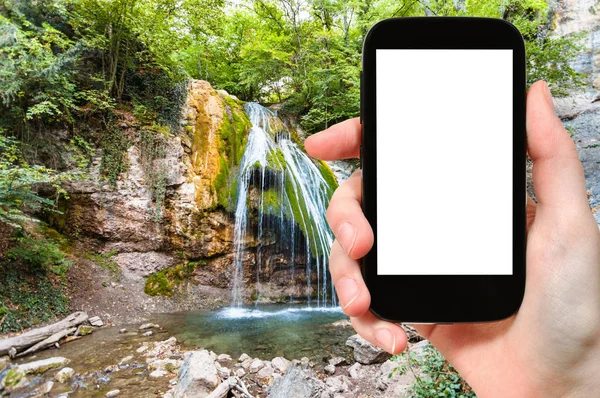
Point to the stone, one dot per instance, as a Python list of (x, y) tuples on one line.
[(224, 358), (329, 369), (142, 349), (297, 383), (111, 369), (244, 357), (197, 376), (64, 375), (126, 359), (43, 365), (337, 361), (281, 364), (84, 330), (157, 374), (147, 334), (123, 330), (169, 365), (96, 321), (338, 384), (356, 371), (365, 352), (240, 372), (112, 393), (256, 365), (146, 326), (223, 372), (342, 323), (266, 371)]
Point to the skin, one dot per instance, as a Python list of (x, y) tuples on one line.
[(551, 347)]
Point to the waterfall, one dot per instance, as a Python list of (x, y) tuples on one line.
[(292, 200)]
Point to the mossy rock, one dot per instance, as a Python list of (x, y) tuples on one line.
[(13, 377), (164, 282)]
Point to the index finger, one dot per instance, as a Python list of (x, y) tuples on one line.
[(340, 141)]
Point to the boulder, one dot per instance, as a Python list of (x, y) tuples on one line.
[(197, 376), (43, 365), (365, 352), (297, 383)]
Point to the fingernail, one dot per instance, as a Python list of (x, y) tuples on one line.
[(386, 340), (347, 291), (346, 235)]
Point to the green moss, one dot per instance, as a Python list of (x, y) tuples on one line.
[(221, 183), (301, 215), (276, 160), (328, 176), (164, 282), (272, 202), (13, 377)]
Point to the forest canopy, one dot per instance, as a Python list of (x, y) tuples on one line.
[(74, 64)]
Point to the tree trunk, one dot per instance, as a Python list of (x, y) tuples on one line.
[(36, 335)]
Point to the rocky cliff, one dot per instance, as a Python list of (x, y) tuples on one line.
[(182, 247)]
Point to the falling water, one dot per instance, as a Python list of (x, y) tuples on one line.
[(272, 162)]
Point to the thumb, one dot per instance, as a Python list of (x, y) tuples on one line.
[(558, 178)]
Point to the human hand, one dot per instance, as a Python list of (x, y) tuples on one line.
[(551, 347)]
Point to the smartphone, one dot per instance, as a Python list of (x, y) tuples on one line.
[(443, 161)]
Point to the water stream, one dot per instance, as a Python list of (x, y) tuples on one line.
[(292, 200)]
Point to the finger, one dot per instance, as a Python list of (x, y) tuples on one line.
[(386, 335), (557, 173), (346, 218), (530, 211), (350, 287), (340, 141)]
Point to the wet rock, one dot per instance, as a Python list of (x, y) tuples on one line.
[(197, 376), (96, 321), (244, 357), (338, 384), (256, 365), (329, 369), (64, 375), (113, 393), (142, 349), (297, 383), (146, 326), (84, 330), (281, 364), (356, 371), (342, 323), (365, 352), (337, 361), (147, 334), (123, 330)]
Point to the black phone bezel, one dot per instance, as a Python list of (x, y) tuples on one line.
[(444, 298)]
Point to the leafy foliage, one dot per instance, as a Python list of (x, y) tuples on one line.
[(435, 377), (39, 254)]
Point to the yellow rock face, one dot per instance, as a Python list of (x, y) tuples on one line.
[(205, 110)]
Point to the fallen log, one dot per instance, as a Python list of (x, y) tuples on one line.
[(26, 340), (221, 391), (50, 341)]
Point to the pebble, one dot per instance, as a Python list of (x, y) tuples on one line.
[(126, 359), (142, 349), (337, 361), (256, 365), (240, 372), (147, 334), (113, 393), (146, 326), (96, 321), (329, 369), (157, 373), (123, 330)]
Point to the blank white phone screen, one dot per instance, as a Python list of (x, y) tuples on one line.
[(444, 162)]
